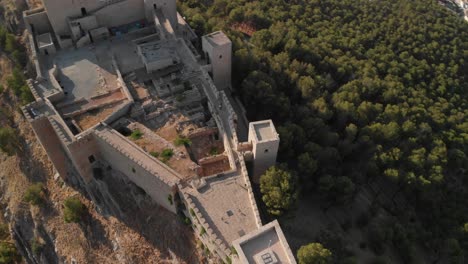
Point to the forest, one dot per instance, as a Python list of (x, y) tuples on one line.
[(361, 92)]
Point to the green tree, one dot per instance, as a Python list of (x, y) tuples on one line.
[(8, 253), (314, 253), (279, 190)]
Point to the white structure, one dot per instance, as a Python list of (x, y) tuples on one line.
[(265, 144), (267, 245), (45, 44), (218, 52)]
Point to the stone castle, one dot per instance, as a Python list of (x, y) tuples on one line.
[(125, 88)]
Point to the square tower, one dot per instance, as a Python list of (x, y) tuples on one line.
[(218, 52), (265, 144)]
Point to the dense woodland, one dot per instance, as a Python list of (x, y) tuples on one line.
[(361, 91)]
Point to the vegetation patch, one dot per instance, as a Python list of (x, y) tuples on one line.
[(8, 140), (279, 190), (136, 134), (37, 246), (166, 155), (35, 194), (357, 104), (214, 151), (73, 210), (154, 154), (179, 141), (9, 253)]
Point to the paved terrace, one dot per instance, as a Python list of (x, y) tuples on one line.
[(225, 205)]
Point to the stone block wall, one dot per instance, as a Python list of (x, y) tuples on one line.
[(253, 203), (137, 171), (83, 151)]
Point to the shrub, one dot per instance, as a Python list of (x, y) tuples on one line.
[(36, 246), (169, 198), (214, 151), (233, 250), (4, 232), (192, 213), (202, 231), (154, 154), (8, 253), (8, 140), (136, 134), (179, 141), (35, 194), (187, 221), (73, 210), (166, 154), (180, 97)]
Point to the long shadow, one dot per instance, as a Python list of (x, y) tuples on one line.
[(136, 210)]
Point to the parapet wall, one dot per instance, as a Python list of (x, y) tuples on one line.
[(232, 117), (253, 203), (209, 237), (147, 173)]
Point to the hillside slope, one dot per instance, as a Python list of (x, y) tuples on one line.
[(146, 234)]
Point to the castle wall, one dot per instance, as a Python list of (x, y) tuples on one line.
[(81, 152), (168, 7), (121, 13), (124, 162), (59, 10), (51, 144), (107, 14)]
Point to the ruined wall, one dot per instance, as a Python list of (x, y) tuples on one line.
[(134, 169)]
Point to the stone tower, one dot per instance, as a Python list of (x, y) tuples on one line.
[(218, 52), (265, 144)]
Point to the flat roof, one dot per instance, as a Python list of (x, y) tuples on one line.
[(218, 38), (224, 203), (158, 50), (264, 246), (265, 130), (44, 40)]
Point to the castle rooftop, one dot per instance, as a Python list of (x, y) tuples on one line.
[(267, 245)]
